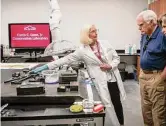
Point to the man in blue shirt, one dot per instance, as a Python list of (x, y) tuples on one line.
[(153, 70)]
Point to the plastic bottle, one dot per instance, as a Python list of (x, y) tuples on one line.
[(7, 50), (130, 49), (4, 50), (134, 50), (12, 52), (126, 49)]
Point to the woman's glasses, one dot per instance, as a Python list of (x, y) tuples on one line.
[(94, 31)]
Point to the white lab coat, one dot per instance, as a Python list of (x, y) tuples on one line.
[(86, 54)]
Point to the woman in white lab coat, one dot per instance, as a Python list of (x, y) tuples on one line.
[(102, 64)]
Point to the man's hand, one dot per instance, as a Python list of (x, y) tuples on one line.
[(163, 74), (105, 67)]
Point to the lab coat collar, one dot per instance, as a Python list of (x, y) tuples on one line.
[(91, 53)]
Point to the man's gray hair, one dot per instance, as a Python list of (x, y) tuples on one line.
[(148, 15)]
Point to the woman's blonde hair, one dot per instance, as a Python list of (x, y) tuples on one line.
[(84, 35), (164, 19)]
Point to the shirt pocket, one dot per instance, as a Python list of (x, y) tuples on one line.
[(154, 48)]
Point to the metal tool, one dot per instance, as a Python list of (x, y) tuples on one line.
[(23, 78), (12, 79), (4, 106), (19, 79)]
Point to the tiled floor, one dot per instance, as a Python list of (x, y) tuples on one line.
[(132, 105)]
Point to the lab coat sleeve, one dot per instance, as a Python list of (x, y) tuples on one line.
[(114, 59), (73, 57)]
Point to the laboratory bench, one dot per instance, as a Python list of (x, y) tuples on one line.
[(51, 108)]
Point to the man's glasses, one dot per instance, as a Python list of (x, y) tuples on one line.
[(141, 25)]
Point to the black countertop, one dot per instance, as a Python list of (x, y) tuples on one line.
[(51, 96), (51, 105), (126, 54), (42, 112)]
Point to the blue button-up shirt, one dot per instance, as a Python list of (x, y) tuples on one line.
[(153, 51)]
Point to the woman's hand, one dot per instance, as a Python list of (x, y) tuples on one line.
[(39, 69), (105, 67)]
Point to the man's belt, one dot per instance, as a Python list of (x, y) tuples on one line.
[(151, 71)]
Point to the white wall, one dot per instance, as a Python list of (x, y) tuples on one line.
[(115, 19)]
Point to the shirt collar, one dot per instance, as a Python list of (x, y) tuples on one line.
[(155, 33)]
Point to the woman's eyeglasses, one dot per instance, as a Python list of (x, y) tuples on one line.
[(94, 31)]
